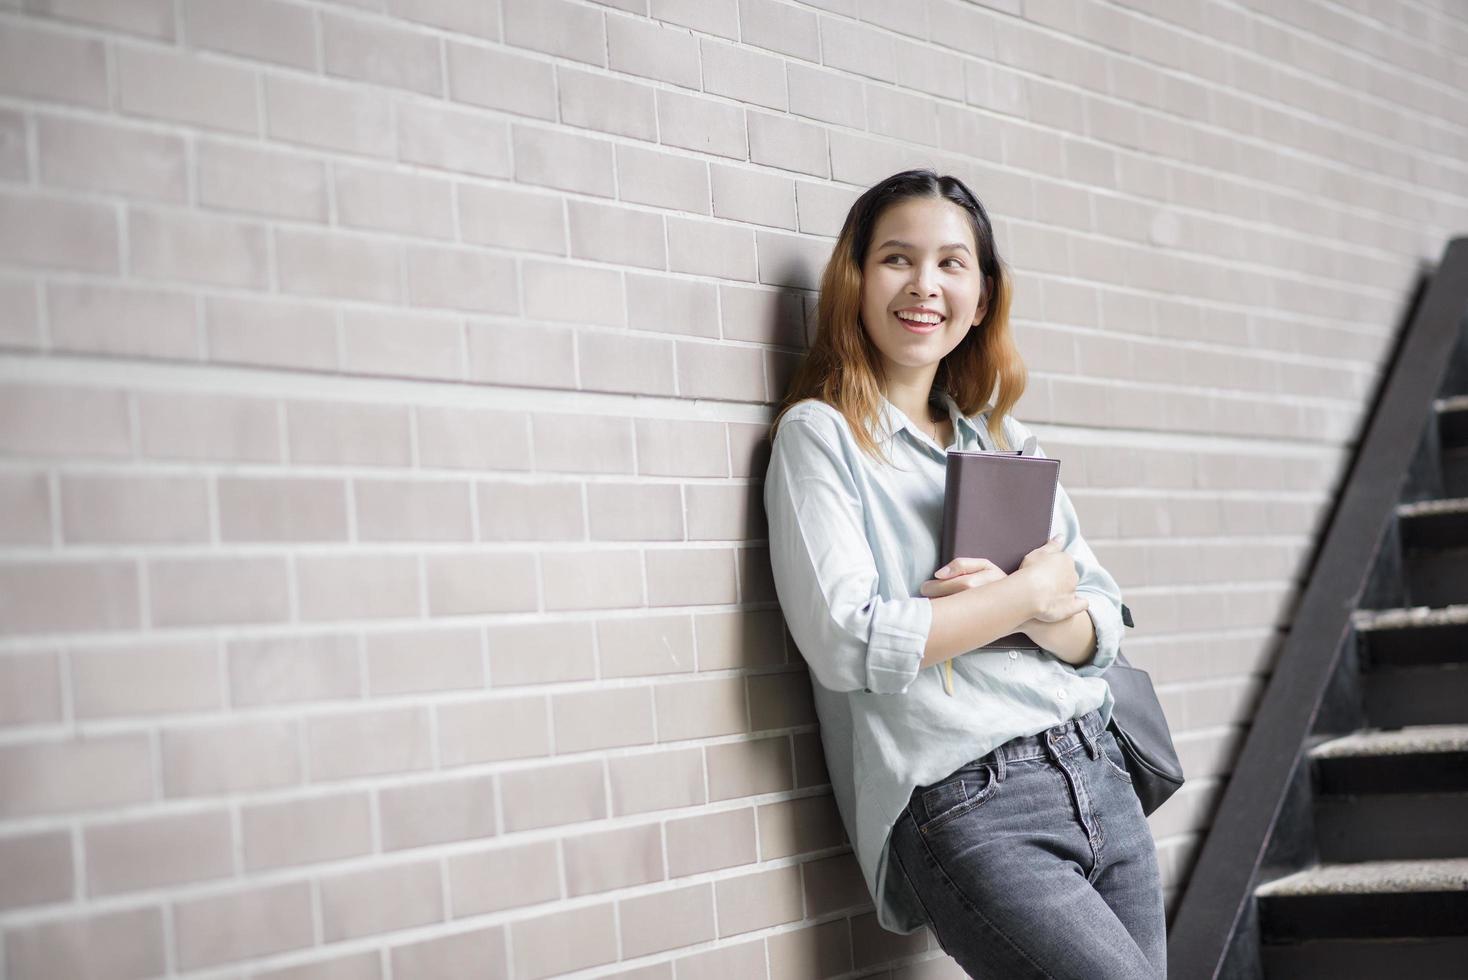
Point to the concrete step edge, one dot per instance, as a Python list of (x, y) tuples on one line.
[(1412, 740), (1452, 403), (1442, 505), (1373, 878), (1403, 618)]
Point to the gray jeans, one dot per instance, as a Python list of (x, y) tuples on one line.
[(1036, 861)]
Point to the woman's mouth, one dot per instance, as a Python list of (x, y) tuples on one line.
[(919, 323)]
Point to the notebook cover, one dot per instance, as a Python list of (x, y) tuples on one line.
[(997, 505)]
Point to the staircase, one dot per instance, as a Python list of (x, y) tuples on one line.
[(1386, 837)]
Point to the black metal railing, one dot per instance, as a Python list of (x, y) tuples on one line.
[(1212, 934)]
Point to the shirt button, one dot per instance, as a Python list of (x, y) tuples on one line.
[(1014, 655), (1060, 694)]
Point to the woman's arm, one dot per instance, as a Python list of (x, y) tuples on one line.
[(1089, 640), (825, 574), (1072, 640), (972, 617)]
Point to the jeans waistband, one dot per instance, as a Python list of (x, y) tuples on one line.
[(1069, 735)]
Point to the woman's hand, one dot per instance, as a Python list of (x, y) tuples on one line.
[(1052, 571), (960, 574)]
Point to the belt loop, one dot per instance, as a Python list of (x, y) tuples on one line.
[(1093, 749), (1075, 725), (998, 767)]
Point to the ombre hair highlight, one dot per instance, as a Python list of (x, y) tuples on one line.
[(843, 368)]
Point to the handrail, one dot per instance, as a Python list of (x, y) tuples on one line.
[(1220, 891)]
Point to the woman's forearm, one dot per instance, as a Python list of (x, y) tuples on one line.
[(1072, 640), (974, 617)]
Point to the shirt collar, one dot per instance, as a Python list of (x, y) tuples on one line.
[(892, 420)]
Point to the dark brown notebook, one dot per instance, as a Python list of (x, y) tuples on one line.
[(997, 505)]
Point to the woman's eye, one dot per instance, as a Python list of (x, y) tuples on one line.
[(957, 263)]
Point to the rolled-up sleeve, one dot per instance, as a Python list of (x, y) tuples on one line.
[(826, 577), (1096, 584), (1094, 581)]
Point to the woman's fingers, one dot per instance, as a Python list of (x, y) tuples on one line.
[(963, 566), (1053, 545), (956, 579), (935, 588), (1063, 609)]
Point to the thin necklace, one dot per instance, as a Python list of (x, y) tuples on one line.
[(937, 432)]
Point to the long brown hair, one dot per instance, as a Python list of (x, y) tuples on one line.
[(843, 367)]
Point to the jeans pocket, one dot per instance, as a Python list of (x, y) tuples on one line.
[(965, 790), (1114, 757)]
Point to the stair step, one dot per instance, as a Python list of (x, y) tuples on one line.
[(1392, 795), (1373, 879), (1367, 900), (1452, 421), (1391, 826), (1413, 636), (1455, 470), (1366, 959), (1417, 664), (1436, 576), (1425, 695), (1416, 759), (1434, 535), (1397, 741), (1434, 525)]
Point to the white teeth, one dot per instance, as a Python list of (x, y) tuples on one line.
[(920, 317)]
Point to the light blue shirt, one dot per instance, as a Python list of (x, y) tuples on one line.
[(852, 540)]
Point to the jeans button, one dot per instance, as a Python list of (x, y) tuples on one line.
[(1014, 655)]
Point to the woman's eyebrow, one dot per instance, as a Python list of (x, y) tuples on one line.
[(900, 244)]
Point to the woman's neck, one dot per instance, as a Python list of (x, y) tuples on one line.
[(912, 400)]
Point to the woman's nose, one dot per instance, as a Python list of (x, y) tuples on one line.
[(924, 280)]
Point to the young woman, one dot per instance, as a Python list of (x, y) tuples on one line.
[(980, 788)]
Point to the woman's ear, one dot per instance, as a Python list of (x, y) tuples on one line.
[(984, 301)]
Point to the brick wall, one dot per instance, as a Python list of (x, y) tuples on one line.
[(383, 586)]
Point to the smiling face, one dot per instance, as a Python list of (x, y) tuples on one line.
[(922, 288)]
